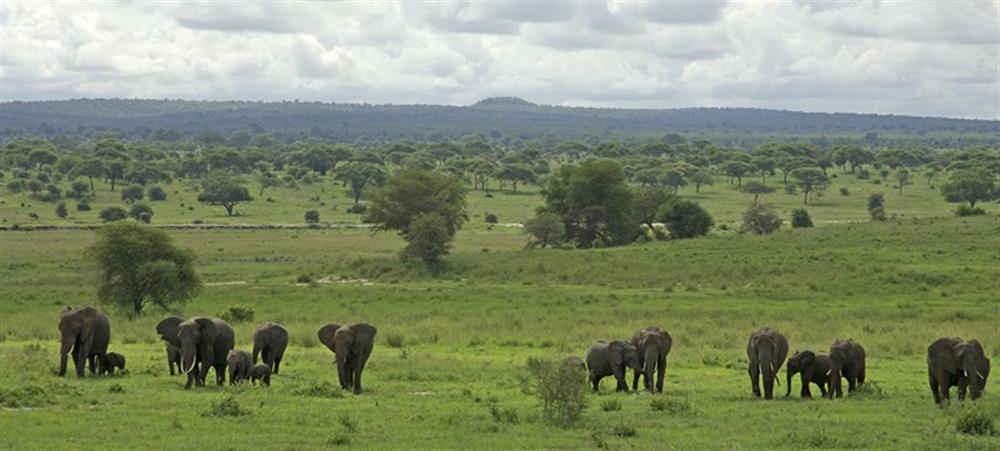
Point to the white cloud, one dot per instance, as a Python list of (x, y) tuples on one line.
[(927, 58)]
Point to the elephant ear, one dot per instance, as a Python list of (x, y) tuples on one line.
[(974, 344), (808, 358), (616, 354), (208, 329), (326, 336), (167, 329)]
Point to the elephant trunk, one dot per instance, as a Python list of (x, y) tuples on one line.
[(835, 370), (64, 350), (975, 378), (188, 358), (766, 363)]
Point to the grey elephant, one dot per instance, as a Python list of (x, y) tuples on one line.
[(84, 334), (167, 330), (269, 342), (814, 368), (953, 362), (112, 361), (352, 343), (238, 362), (847, 362), (260, 372), (653, 345), (205, 343), (766, 350), (612, 359)]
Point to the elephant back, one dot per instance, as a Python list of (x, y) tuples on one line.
[(598, 357), (225, 340), (271, 333)]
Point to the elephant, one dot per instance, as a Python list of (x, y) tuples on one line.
[(239, 363), (111, 361), (205, 343), (766, 350), (167, 330), (269, 342), (952, 362), (352, 343), (814, 368), (614, 358), (261, 372), (653, 345), (847, 361), (85, 333)]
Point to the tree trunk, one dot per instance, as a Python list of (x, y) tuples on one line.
[(91, 180), (805, 197)]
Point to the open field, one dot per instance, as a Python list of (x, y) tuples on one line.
[(446, 367)]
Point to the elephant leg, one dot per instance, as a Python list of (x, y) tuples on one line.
[(191, 380), (170, 363), (83, 351), (619, 373), (595, 380), (934, 387), (851, 383), (635, 380), (359, 367), (661, 369), (805, 387), (963, 386), (754, 371), (822, 389), (94, 364), (220, 374), (277, 364)]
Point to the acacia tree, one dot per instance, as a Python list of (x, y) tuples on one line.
[(902, 179), (810, 180), (701, 178), (971, 185), (594, 202), (224, 191), (138, 265), (359, 175), (756, 188)]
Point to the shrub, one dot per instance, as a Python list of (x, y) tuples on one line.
[(82, 206), (877, 214), (112, 214), (304, 278), (132, 193), (546, 229), (428, 238), (491, 218), (864, 174), (226, 407), (323, 389), (965, 210), (237, 314), (685, 219), (801, 219), (669, 405), (78, 189), (503, 415), (61, 210), (876, 200), (17, 186), (136, 211), (312, 216), (358, 209), (156, 193), (395, 340), (761, 220), (562, 403), (974, 421), (844, 191), (611, 405), (146, 217)]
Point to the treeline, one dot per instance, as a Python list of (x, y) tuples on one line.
[(509, 121)]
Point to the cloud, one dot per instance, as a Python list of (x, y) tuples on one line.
[(926, 58)]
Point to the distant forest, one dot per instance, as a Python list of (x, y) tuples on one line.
[(505, 120)]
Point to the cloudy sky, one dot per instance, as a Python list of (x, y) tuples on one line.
[(917, 57)]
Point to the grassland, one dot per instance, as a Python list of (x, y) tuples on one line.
[(451, 347)]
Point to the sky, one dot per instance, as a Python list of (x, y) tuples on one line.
[(916, 58)]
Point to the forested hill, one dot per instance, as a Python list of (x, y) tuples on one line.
[(498, 117)]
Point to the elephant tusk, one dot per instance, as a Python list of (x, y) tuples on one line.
[(193, 363), (980, 375), (828, 372)]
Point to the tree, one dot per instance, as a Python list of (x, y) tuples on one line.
[(224, 191), (138, 265), (756, 188), (114, 170), (674, 179), (594, 202), (902, 179), (90, 168), (156, 193), (267, 180), (112, 214), (801, 219), (853, 155), (42, 156), (810, 180), (648, 203), (685, 219), (701, 178), (427, 238), (360, 175), (132, 193), (876, 206), (411, 193), (61, 210), (761, 220), (737, 169), (545, 229), (141, 212), (516, 173), (79, 188), (970, 185)]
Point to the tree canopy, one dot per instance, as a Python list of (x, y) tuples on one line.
[(594, 202)]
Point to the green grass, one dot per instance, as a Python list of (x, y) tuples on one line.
[(451, 347)]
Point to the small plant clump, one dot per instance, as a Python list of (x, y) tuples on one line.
[(238, 314), (801, 219), (226, 407), (974, 421)]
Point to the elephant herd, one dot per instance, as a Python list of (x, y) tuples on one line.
[(196, 345)]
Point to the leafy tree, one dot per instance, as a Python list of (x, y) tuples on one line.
[(765, 165), (853, 155), (140, 211), (224, 191), (61, 210), (876, 200), (79, 188), (156, 193), (810, 180), (17, 186), (902, 179), (594, 202), (761, 220), (545, 229), (737, 169), (39, 157), (35, 185), (427, 238), (438, 199), (132, 193), (139, 265), (516, 173), (312, 217), (970, 185), (360, 175), (685, 219), (674, 179), (648, 204), (801, 219), (114, 170), (267, 180), (701, 178), (112, 214), (756, 188)]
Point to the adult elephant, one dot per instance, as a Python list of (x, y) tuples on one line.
[(269, 342), (352, 343), (814, 368), (85, 334), (766, 350), (847, 362), (612, 359), (953, 362), (653, 345), (205, 343), (167, 330)]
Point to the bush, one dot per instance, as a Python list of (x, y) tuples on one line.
[(801, 219), (864, 174), (146, 217), (974, 421), (61, 210), (82, 206), (33, 215), (761, 220), (237, 314), (312, 217), (965, 210), (226, 407), (156, 193), (358, 209), (112, 214), (876, 200), (323, 389), (685, 219), (491, 218), (877, 214), (17, 186), (611, 405), (562, 403), (427, 239), (132, 193), (670, 405), (624, 431), (395, 340), (546, 229), (304, 278), (136, 211), (844, 191)]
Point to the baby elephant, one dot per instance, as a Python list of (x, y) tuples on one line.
[(261, 372), (607, 359), (815, 368), (111, 361), (239, 363)]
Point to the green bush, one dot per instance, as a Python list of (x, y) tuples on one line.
[(669, 405), (237, 314), (974, 421), (545, 229), (761, 220), (877, 214), (112, 214), (140, 210), (132, 193), (395, 340), (61, 210), (156, 193), (563, 402), (801, 219), (611, 405), (876, 200), (844, 191), (965, 210), (358, 209), (82, 206), (323, 389), (427, 239), (312, 217), (491, 218), (685, 219)]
